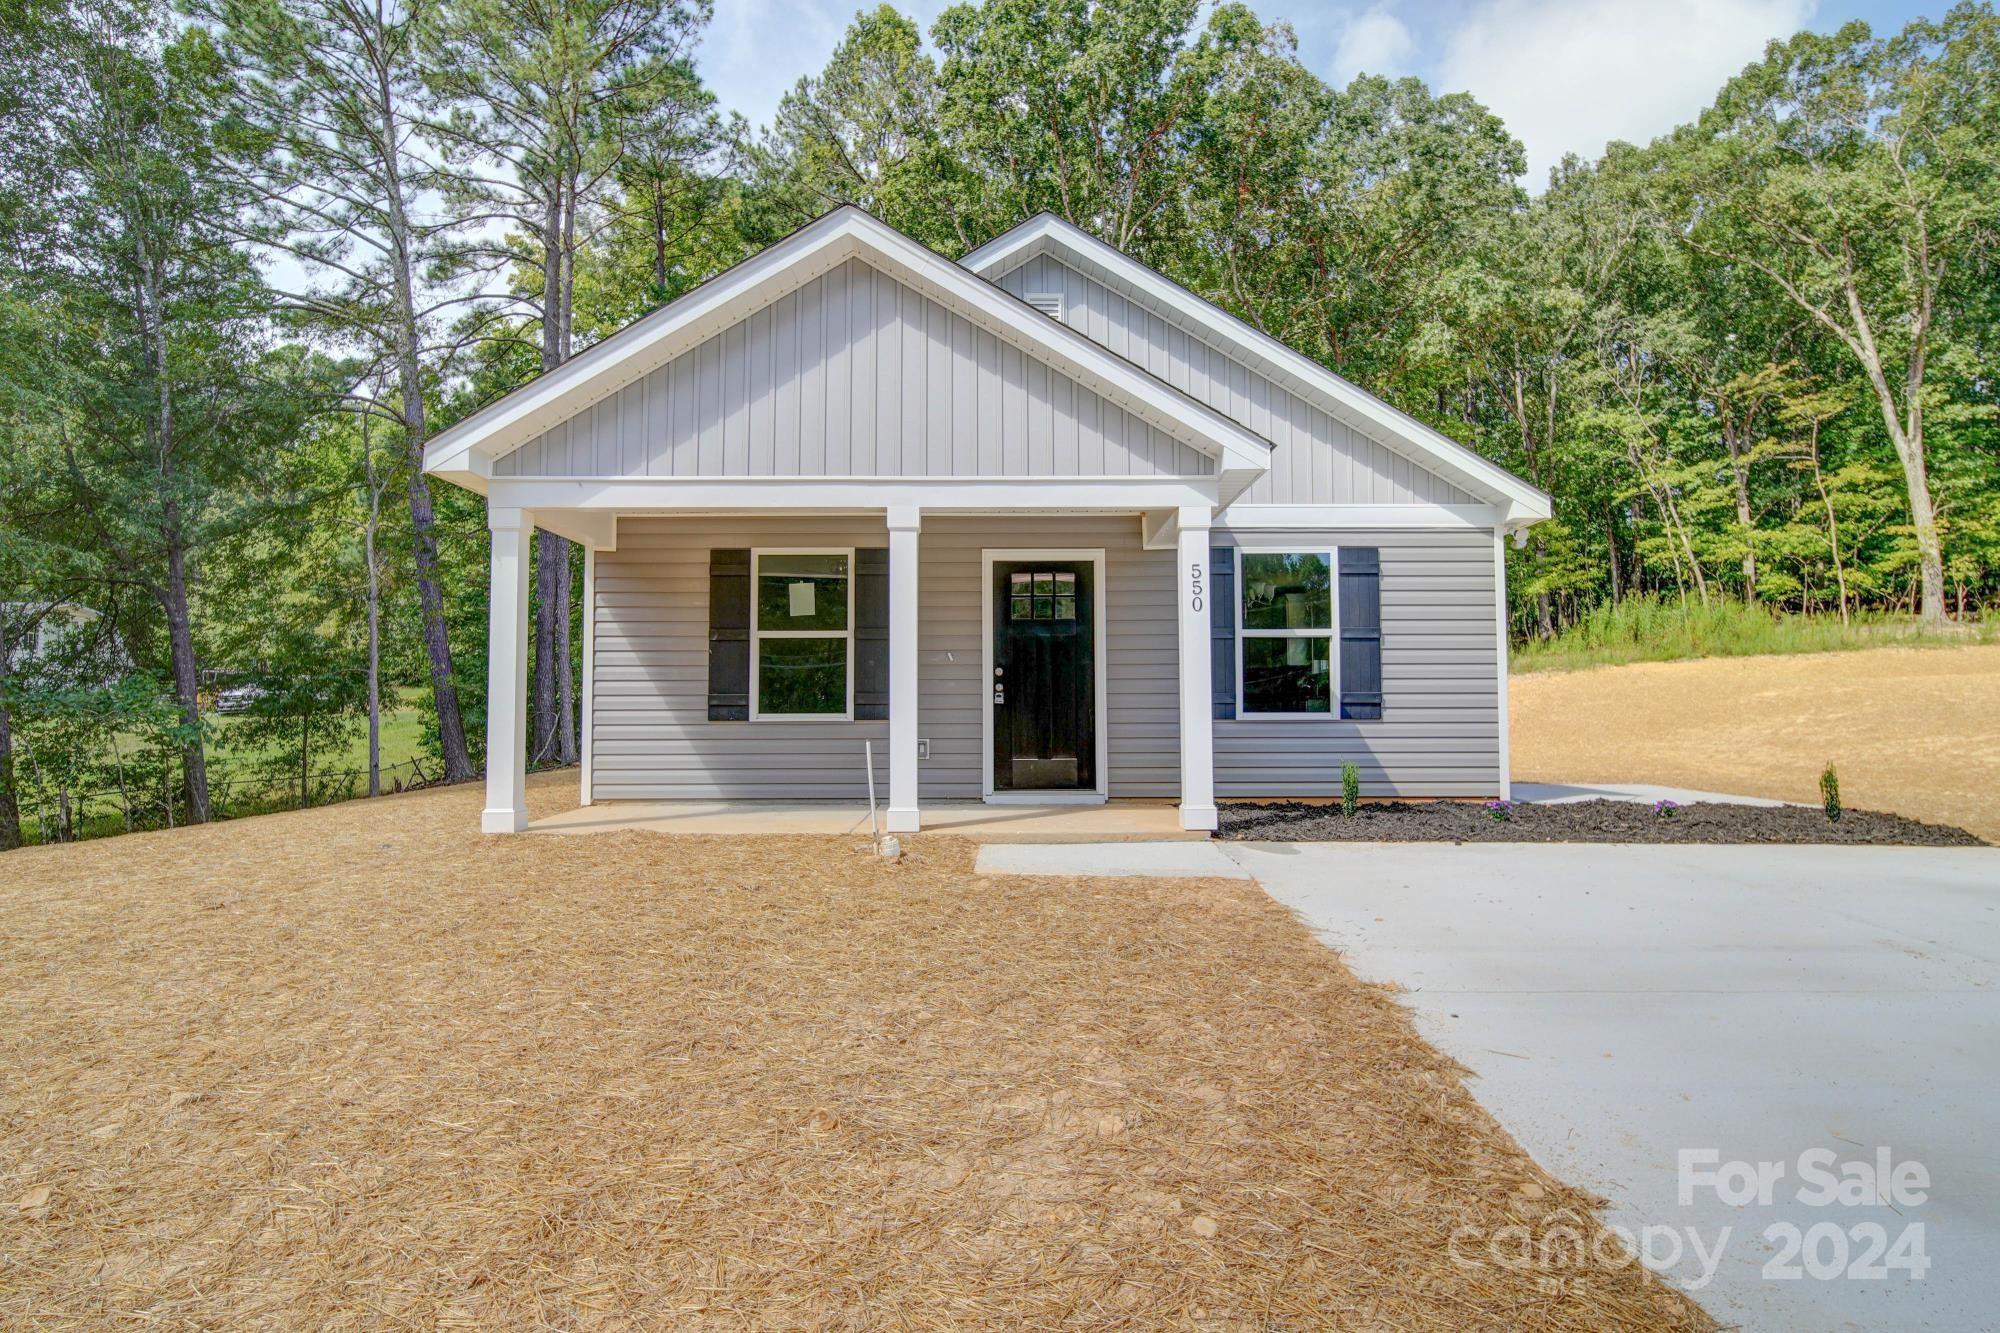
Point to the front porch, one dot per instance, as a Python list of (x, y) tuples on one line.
[(678, 734), (1114, 821)]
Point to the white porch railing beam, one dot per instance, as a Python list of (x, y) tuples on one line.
[(507, 672), (904, 524), (1195, 592)]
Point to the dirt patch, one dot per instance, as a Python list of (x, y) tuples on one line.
[(1913, 730), (360, 1066), (1577, 821)]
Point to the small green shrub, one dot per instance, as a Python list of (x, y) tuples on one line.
[(1829, 794), (1350, 789)]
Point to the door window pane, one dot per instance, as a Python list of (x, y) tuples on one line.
[(1287, 591), (802, 676), (802, 592), (1290, 675)]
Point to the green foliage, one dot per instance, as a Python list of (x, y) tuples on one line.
[(1350, 789), (1660, 629), (1829, 793)]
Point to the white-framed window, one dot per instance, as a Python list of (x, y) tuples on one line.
[(1287, 636), (802, 635)]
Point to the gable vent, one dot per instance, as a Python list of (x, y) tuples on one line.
[(1049, 303)]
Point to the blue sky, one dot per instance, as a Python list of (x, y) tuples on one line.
[(1567, 75)]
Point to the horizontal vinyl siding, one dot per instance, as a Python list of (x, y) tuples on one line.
[(854, 375), (650, 733), (1143, 733), (1439, 734), (1315, 459)]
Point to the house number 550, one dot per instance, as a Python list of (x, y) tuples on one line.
[(1194, 585)]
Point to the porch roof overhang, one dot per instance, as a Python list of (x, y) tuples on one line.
[(1518, 503), (465, 453), (587, 511)]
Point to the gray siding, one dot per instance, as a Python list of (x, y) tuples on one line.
[(1439, 734), (1143, 733), (650, 733), (1315, 459), (854, 374), (651, 737)]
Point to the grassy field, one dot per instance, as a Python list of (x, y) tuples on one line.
[(1653, 630), (360, 1067), (1911, 730)]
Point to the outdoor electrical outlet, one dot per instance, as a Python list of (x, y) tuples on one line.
[(923, 749)]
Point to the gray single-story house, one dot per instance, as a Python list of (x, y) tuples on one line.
[(1041, 524)]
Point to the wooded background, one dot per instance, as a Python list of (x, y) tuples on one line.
[(255, 252)]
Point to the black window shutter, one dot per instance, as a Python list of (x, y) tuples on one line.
[(1360, 632), (729, 636), (1222, 629), (871, 634)]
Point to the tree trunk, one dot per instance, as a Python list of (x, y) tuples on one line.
[(1923, 523), (551, 551), (10, 801), (1741, 472), (305, 760), (180, 649), (374, 627), (423, 523), (1611, 544)]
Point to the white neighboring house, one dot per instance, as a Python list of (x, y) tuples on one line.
[(58, 629), (1043, 525)]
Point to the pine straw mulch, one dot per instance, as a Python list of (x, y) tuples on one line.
[(358, 1067)]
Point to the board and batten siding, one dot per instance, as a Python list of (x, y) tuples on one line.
[(1439, 734), (650, 733), (854, 375), (1315, 459)]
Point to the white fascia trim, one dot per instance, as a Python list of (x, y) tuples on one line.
[(1045, 231), (1251, 518), (815, 249), (852, 494)]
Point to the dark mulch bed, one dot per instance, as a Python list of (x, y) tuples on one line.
[(1578, 821)]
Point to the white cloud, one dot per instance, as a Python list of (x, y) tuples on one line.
[(1372, 42), (1573, 75)]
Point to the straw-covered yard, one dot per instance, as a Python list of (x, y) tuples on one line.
[(361, 1067)]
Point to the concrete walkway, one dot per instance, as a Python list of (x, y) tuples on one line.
[(1621, 1004)]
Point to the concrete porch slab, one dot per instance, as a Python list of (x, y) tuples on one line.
[(1114, 821)]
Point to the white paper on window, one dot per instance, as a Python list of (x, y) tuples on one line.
[(801, 599)]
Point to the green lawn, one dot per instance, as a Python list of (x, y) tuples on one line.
[(402, 738)]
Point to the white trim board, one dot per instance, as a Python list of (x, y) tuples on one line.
[(1045, 233), (1322, 518), (637, 495), (1100, 669), (464, 453)]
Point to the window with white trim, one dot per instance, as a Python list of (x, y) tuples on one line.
[(1285, 634), (802, 634)]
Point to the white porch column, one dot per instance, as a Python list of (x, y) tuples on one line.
[(1195, 588), (507, 673), (904, 522)]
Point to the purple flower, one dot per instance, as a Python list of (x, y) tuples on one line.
[(1665, 809), (1500, 810)]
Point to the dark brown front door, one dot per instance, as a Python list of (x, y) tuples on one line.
[(1044, 663)]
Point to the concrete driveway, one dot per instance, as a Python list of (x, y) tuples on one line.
[(1749, 1004)]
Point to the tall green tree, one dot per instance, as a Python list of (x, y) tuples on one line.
[(155, 397), (1861, 177), (333, 102), (545, 97)]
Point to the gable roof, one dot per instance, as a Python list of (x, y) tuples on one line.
[(1045, 233), (466, 452)]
